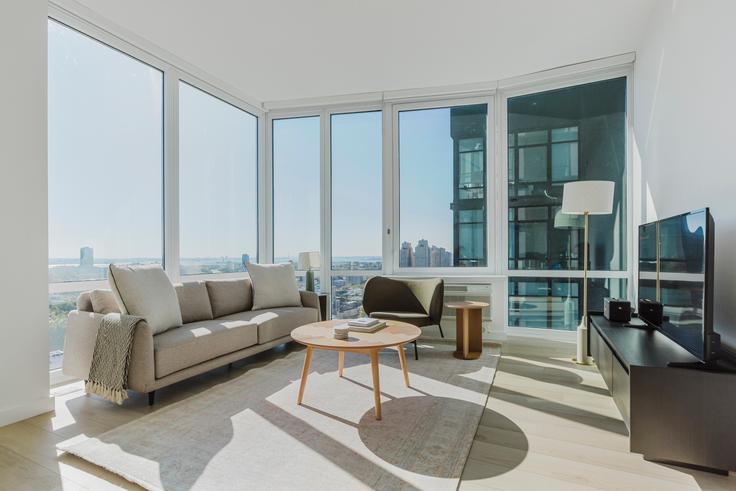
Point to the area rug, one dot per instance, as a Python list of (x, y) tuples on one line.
[(249, 433)]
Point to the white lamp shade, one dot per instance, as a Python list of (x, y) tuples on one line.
[(308, 261), (593, 197), (566, 221)]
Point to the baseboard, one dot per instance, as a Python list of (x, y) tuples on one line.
[(14, 414)]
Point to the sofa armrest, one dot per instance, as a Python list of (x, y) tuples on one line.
[(310, 299), (79, 345)]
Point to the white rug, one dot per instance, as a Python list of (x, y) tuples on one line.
[(249, 433)]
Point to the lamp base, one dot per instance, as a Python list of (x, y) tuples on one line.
[(309, 281), (581, 354)]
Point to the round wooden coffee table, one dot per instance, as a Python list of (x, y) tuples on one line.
[(469, 324), (318, 335)]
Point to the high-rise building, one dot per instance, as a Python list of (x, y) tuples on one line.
[(421, 254), (245, 259), (86, 257), (406, 255), (468, 130)]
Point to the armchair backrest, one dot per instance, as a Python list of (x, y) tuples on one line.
[(382, 294)]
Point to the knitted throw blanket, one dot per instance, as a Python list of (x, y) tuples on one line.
[(108, 375)]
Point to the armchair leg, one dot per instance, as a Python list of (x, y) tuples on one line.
[(416, 351), (151, 397), (441, 333)]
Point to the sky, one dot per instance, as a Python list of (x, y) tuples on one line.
[(105, 167)]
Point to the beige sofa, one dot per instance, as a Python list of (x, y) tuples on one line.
[(219, 328)]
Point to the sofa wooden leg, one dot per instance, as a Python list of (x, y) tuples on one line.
[(441, 333), (151, 397)]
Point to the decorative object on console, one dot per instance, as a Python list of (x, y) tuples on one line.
[(615, 309), (309, 261), (586, 198), (651, 311)]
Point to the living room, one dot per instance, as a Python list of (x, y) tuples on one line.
[(367, 245)]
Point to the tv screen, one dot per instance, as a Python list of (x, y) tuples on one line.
[(675, 258)]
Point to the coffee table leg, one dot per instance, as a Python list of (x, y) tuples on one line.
[(376, 384), (305, 374), (402, 359), (340, 362)]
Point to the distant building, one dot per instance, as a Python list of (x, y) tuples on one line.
[(406, 255), (86, 257), (245, 258), (439, 257), (421, 254)]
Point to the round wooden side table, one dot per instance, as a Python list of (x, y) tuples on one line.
[(469, 324)]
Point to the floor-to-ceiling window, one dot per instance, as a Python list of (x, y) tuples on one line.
[(296, 189), (554, 137), (218, 184), (443, 197), (105, 165), (356, 207)]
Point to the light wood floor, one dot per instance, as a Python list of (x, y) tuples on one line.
[(549, 424)]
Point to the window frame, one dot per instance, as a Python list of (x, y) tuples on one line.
[(628, 181), (491, 188), (174, 70)]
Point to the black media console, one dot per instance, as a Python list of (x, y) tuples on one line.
[(674, 415)]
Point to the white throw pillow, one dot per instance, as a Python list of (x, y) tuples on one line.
[(146, 291), (274, 285)]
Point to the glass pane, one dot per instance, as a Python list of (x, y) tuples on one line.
[(105, 148), (565, 134), (60, 304), (587, 124), (356, 191), (296, 187), (533, 164), (565, 161), (442, 155), (218, 192), (532, 137), (347, 296), (557, 303)]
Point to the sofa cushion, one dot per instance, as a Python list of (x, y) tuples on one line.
[(146, 291), (274, 285), (198, 342), (229, 296), (103, 302), (194, 301), (84, 303), (277, 322)]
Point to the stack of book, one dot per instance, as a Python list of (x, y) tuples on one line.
[(366, 324)]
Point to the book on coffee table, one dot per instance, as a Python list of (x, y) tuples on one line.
[(366, 324)]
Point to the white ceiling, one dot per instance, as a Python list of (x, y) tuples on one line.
[(287, 49)]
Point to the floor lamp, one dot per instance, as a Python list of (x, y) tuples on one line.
[(568, 222), (586, 198)]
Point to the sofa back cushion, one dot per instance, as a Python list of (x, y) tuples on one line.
[(147, 292), (194, 301), (103, 302), (230, 296), (84, 303), (274, 285)]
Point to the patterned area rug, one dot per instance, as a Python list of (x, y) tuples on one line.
[(249, 433)]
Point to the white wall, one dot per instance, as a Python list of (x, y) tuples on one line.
[(685, 126), (24, 376)]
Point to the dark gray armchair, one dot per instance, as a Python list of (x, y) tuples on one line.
[(417, 302)]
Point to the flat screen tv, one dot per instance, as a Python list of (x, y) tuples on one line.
[(676, 269)]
